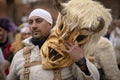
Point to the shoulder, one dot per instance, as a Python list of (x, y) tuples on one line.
[(18, 55), (104, 48), (104, 43)]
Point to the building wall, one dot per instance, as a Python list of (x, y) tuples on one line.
[(113, 5), (17, 10)]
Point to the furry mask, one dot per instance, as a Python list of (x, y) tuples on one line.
[(78, 20)]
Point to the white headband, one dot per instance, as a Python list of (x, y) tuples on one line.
[(43, 14)]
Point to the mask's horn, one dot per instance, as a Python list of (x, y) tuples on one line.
[(98, 28), (58, 5)]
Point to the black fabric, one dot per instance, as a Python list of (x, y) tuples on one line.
[(38, 42), (83, 66), (81, 62), (107, 35), (119, 66), (3, 45), (10, 57), (102, 74)]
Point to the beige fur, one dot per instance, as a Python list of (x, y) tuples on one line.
[(105, 59)]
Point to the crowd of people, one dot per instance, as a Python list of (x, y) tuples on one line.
[(67, 51)]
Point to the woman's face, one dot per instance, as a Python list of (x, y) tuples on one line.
[(3, 35), (26, 33)]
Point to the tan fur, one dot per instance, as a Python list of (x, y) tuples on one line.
[(105, 59), (17, 44)]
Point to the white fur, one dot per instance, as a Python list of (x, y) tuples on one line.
[(105, 58)]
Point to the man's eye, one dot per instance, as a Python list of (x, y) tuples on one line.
[(38, 20), (30, 22)]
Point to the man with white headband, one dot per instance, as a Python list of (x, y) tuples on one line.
[(43, 14), (26, 64)]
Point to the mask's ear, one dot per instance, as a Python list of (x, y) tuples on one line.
[(59, 6)]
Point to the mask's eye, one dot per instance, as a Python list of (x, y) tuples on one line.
[(54, 55), (81, 37), (61, 28)]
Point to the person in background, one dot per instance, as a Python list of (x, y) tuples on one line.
[(2, 74), (115, 39), (6, 27), (110, 29), (24, 32)]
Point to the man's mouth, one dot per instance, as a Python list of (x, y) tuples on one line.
[(36, 32)]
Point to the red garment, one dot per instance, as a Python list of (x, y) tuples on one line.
[(6, 52)]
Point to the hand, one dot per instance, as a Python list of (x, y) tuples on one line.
[(5, 65), (74, 50)]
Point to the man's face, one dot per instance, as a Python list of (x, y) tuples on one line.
[(39, 27), (3, 35)]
